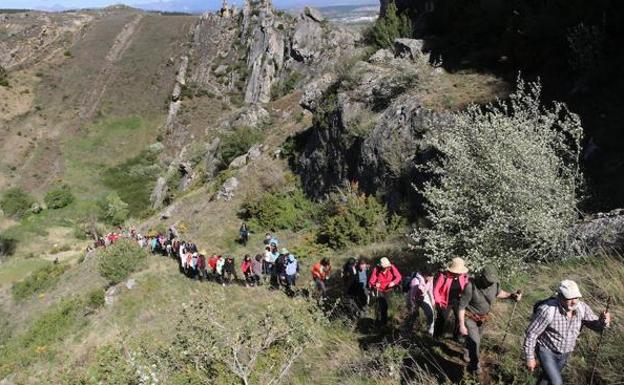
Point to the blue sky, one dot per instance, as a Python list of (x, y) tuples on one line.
[(166, 4)]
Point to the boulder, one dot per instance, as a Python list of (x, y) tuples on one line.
[(159, 193), (603, 232), (252, 116), (130, 283), (226, 192), (381, 56), (307, 41), (408, 48), (239, 161), (109, 296), (314, 90), (313, 14), (254, 152)]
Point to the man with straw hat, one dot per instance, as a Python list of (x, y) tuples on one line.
[(474, 311), (554, 329), (447, 291)]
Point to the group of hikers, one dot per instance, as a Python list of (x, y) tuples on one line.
[(550, 337)]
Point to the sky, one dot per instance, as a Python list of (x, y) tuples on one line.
[(179, 5)]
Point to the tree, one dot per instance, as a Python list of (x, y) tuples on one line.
[(59, 197), (389, 28), (15, 202), (114, 210), (505, 186)]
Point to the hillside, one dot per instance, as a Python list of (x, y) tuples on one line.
[(119, 120)]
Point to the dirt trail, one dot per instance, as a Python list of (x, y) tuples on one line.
[(124, 39)]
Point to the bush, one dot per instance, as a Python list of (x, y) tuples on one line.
[(39, 281), (4, 81), (59, 197), (238, 143), (282, 210), (16, 202), (113, 210), (506, 182), (120, 260), (95, 299), (7, 245), (353, 218), (389, 28)]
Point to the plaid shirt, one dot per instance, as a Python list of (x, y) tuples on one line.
[(551, 328)]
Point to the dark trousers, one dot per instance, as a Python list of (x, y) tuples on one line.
[(552, 365), (383, 302), (442, 317), (473, 342)]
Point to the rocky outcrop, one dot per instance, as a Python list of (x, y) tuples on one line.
[(367, 129), (604, 232)]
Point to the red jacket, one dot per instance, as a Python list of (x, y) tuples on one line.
[(442, 287), (385, 277), (246, 265), (212, 262), (321, 272)]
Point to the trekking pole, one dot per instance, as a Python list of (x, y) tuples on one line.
[(513, 312), (593, 372)]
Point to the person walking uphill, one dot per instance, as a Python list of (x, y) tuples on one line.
[(383, 279), (554, 329), (474, 311), (447, 291), (321, 271)]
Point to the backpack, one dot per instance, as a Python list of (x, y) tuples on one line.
[(405, 282), (538, 304)]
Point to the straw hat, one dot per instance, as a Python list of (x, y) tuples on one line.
[(458, 266)]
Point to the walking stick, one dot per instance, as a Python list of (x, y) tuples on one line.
[(593, 372), (513, 312)]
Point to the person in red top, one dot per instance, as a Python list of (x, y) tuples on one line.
[(320, 273), (447, 290), (212, 264), (384, 278), (246, 269)]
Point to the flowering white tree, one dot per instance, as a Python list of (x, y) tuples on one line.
[(504, 188)]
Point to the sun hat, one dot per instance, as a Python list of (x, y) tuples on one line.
[(385, 262), (569, 289), (203, 252), (490, 274), (285, 251), (458, 266)]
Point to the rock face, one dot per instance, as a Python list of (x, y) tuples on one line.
[(604, 232), (313, 14), (227, 190), (367, 129)]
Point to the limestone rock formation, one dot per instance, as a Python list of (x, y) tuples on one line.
[(313, 14), (602, 233)]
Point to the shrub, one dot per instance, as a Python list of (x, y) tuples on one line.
[(506, 182), (4, 81), (59, 197), (285, 86), (237, 143), (386, 29), (7, 245), (120, 259), (351, 217), (16, 202), (113, 209), (95, 299), (39, 281), (282, 210)]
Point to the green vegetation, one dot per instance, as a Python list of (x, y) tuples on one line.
[(59, 197), (63, 320), (389, 28), (113, 210), (111, 367), (4, 78), (120, 259), (507, 183), (134, 180), (285, 86), (280, 210), (15, 202), (352, 218), (237, 143), (38, 281)]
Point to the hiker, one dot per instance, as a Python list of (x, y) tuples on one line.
[(267, 266), (257, 266), (554, 329), (229, 269), (201, 265), (270, 240), (219, 270), (447, 291), (474, 312), (363, 274), (278, 277), (190, 246), (243, 234), (246, 269), (320, 274), (420, 296), (349, 278), (384, 278), (292, 271), (212, 266)]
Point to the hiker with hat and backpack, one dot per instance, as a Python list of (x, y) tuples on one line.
[(554, 329), (384, 278), (474, 311), (447, 290)]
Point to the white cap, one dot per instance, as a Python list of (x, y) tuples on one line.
[(569, 289), (385, 262)]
